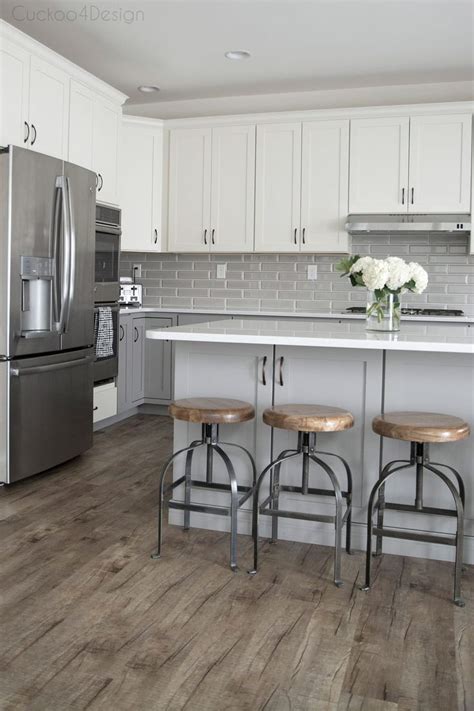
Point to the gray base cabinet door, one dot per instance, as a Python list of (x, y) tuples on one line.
[(123, 388), (137, 360), (346, 378), (158, 363)]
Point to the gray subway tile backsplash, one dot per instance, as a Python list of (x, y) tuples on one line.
[(278, 282)]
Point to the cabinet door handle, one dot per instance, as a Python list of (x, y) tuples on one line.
[(101, 183), (27, 126), (136, 333), (304, 235), (264, 376), (412, 196), (282, 360), (295, 236), (95, 408), (212, 235), (156, 235), (122, 332), (403, 196), (205, 236), (33, 128)]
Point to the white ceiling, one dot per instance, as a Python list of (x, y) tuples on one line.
[(296, 45)]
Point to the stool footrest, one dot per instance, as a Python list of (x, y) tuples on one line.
[(410, 536), (315, 492), (218, 486), (281, 513), (424, 510), (199, 508)]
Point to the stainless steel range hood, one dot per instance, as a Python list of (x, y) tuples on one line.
[(362, 224)]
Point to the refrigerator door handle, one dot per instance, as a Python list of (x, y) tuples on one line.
[(72, 252), (16, 372), (56, 233), (65, 272)]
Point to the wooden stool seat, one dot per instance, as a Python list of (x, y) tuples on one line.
[(308, 418), (212, 410), (421, 427)]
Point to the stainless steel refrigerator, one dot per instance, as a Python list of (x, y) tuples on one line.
[(47, 233)]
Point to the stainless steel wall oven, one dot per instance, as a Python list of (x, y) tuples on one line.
[(106, 292)]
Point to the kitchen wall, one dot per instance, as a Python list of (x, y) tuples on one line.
[(278, 282)]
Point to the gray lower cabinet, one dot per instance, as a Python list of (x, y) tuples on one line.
[(145, 366), (158, 363)]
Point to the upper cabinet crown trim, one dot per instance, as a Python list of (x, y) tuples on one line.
[(23, 40), (458, 107)]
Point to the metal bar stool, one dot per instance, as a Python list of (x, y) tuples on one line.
[(210, 413), (307, 420), (420, 429)]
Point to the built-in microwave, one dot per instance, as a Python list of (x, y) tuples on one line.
[(107, 254)]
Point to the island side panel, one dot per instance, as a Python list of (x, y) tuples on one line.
[(343, 377), (433, 382), (229, 371)]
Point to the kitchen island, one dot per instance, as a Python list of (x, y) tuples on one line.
[(424, 367)]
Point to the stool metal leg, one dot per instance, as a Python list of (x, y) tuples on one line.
[(275, 493), (339, 518), (234, 505), (187, 485), (459, 533), (254, 471), (348, 498), (456, 474), (192, 447), (260, 479)]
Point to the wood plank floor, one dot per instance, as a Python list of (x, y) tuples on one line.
[(89, 621)]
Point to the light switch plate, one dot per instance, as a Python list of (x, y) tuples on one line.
[(312, 272), (221, 271)]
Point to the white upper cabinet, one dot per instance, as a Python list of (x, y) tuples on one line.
[(378, 180), (324, 186), (94, 124), (14, 87), (107, 119), (440, 163), (278, 187), (140, 189), (232, 189), (48, 108), (189, 190)]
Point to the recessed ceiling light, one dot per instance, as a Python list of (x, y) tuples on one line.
[(238, 54), (148, 89)]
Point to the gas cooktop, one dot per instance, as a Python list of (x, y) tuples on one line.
[(413, 311)]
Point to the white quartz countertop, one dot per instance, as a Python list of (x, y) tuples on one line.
[(434, 337), (287, 314)]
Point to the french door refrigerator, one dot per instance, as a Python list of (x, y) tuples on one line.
[(47, 229)]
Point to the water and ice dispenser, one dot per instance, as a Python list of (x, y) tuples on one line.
[(36, 296)]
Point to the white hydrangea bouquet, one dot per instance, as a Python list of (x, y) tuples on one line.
[(385, 279)]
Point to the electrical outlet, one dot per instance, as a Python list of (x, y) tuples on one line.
[(221, 271), (312, 272), (137, 271)]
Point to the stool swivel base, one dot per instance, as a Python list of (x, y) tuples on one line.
[(238, 494), (270, 506), (419, 458)]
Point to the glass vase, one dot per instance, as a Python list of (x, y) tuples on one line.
[(383, 312)]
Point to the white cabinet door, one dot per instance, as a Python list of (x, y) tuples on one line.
[(232, 189), (81, 125), (278, 180), (48, 108), (141, 160), (107, 118), (324, 186), (189, 190), (14, 86), (440, 163), (378, 180)]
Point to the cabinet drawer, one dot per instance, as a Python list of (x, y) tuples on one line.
[(105, 401)]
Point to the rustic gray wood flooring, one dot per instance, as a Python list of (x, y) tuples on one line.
[(88, 621)]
